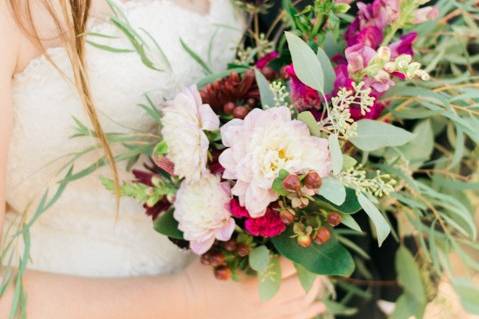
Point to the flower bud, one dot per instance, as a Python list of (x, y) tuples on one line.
[(242, 250), (312, 180), (240, 112), (292, 183), (322, 236), (223, 273), (251, 102), (334, 219), (286, 216), (268, 73), (304, 241), (230, 245), (229, 107)]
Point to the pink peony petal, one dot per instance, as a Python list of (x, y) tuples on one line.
[(225, 233), (209, 120), (201, 247)]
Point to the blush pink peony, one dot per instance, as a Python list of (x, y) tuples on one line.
[(202, 212), (263, 144)]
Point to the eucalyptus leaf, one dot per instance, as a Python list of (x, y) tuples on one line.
[(306, 64), (308, 119), (306, 278), (380, 224), (420, 148), (373, 135), (259, 258), (333, 190), (329, 73), (468, 294), (350, 222), (336, 154), (270, 280), (267, 96)]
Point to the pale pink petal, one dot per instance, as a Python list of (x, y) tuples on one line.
[(225, 233), (201, 247), (227, 160), (209, 119), (257, 200), (230, 131)]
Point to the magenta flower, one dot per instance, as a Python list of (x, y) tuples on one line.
[(303, 96), (267, 59), (237, 210), (342, 78), (375, 112), (269, 225), (370, 36), (403, 45)]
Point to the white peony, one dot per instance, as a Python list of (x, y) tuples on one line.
[(202, 211), (262, 144), (184, 120)]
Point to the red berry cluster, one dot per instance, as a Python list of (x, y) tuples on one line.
[(219, 256)]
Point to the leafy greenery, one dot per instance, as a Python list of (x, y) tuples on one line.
[(330, 258)]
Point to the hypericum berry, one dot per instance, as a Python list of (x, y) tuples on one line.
[(205, 259), (286, 216), (242, 250), (230, 245), (240, 112), (268, 73), (334, 219), (322, 236), (217, 258), (229, 107), (312, 180), (292, 183), (251, 102), (223, 273), (304, 241)]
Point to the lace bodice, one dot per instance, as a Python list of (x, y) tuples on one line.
[(80, 234)]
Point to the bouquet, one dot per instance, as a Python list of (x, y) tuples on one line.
[(326, 117)]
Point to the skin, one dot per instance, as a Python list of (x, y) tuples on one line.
[(192, 293)]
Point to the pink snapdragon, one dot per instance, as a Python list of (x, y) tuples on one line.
[(267, 59), (425, 14), (358, 57), (403, 45)]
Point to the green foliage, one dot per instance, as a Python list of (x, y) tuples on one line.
[(267, 96), (306, 278), (349, 206), (333, 191), (336, 154), (307, 118), (374, 135), (413, 301), (306, 64), (167, 225), (330, 258), (259, 258), (380, 223), (270, 280)]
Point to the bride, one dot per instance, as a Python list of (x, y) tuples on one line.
[(84, 262)]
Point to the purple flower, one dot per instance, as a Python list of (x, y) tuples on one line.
[(403, 45), (266, 59)]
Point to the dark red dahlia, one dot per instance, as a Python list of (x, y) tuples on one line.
[(241, 90)]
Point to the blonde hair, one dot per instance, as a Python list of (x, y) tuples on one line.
[(71, 23)]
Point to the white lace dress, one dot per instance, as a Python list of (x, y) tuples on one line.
[(80, 235)]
